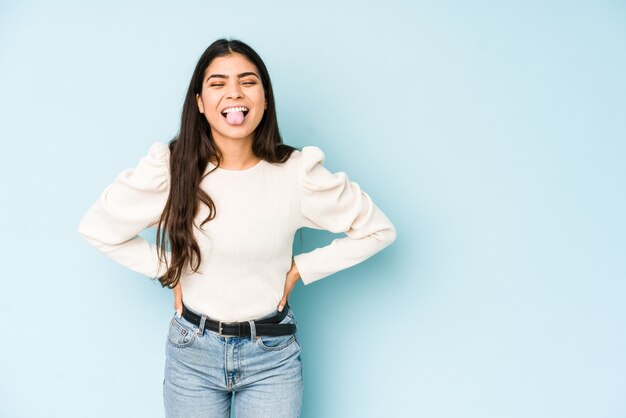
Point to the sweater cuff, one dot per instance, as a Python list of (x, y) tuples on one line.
[(306, 267)]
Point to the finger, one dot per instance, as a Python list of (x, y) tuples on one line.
[(286, 293), (282, 302)]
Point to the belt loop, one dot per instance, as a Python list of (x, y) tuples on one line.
[(202, 321), (252, 330)]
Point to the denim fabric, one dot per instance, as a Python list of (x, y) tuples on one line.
[(203, 370)]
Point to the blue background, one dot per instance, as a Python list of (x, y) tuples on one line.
[(491, 133)]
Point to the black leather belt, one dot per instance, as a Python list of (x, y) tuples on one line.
[(265, 326)]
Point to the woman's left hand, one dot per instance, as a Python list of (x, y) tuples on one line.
[(293, 275)]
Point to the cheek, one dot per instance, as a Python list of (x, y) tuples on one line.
[(209, 100), (210, 107)]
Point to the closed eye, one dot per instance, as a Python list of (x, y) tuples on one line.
[(250, 83)]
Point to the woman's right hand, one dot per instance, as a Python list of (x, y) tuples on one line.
[(178, 299)]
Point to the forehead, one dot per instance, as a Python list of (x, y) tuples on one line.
[(229, 65)]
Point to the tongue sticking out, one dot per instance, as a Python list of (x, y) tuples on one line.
[(234, 118)]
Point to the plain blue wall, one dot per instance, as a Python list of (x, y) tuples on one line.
[(491, 133)]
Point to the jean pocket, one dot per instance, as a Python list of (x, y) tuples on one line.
[(180, 333), (278, 342)]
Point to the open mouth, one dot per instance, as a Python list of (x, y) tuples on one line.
[(245, 113)]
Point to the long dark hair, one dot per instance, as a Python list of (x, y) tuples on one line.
[(190, 151)]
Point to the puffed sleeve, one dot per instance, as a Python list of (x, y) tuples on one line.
[(133, 202), (332, 202)]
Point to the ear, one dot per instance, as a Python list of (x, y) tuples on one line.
[(200, 105)]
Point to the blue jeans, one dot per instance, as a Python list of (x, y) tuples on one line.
[(203, 370)]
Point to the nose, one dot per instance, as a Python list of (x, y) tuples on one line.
[(234, 91)]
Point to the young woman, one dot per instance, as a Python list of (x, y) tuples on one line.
[(227, 196)]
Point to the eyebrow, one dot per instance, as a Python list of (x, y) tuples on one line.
[(238, 75)]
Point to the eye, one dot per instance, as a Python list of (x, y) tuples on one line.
[(216, 85), (249, 82)]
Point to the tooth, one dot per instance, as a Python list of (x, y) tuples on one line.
[(236, 109)]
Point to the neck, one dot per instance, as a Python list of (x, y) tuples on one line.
[(236, 153)]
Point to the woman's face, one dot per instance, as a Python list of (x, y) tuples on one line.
[(232, 81)]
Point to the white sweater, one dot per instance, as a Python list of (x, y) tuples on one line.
[(247, 248)]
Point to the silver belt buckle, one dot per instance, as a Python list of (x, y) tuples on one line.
[(219, 328)]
